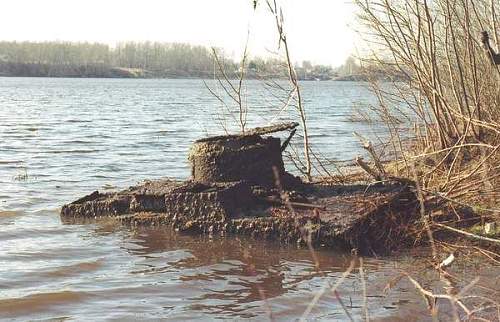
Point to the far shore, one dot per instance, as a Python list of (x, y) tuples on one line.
[(347, 78), (100, 71)]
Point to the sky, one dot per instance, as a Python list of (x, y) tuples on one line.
[(317, 30)]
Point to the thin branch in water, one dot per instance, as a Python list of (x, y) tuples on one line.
[(326, 286)]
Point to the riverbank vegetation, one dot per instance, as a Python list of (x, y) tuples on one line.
[(444, 125)]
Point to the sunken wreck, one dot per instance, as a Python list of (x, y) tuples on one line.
[(239, 185)]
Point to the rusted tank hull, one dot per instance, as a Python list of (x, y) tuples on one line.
[(371, 219)]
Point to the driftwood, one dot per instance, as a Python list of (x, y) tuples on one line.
[(272, 128), (367, 145), (303, 205), (254, 132), (288, 139), (495, 57), (376, 175), (470, 235)]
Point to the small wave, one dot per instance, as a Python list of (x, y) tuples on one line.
[(70, 270), (109, 187), (163, 131), (100, 136), (132, 153), (38, 302), (11, 161), (102, 176), (78, 121), (8, 213), (318, 135), (78, 142), (70, 151)]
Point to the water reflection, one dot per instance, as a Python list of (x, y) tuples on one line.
[(253, 267), (237, 276)]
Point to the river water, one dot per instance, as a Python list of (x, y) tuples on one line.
[(63, 138)]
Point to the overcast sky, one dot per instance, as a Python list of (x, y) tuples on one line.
[(318, 30)]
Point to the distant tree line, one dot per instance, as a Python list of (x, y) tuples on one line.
[(134, 59)]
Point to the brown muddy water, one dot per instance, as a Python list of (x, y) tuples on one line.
[(63, 138)]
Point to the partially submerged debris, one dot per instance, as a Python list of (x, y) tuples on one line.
[(373, 219), (233, 192)]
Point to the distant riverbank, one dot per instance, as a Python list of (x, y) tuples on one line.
[(101, 71), (141, 60), (9, 69), (89, 71)]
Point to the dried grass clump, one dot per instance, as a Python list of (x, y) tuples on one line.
[(443, 106)]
